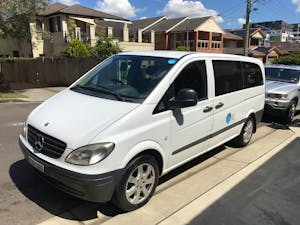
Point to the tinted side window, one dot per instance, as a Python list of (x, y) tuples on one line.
[(228, 76), (193, 76), (252, 75)]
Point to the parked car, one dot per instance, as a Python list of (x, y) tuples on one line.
[(282, 90), (137, 116)]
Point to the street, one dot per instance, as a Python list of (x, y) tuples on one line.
[(26, 199)]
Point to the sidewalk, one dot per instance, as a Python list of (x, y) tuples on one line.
[(34, 94)]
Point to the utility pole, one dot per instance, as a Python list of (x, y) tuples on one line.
[(247, 26)]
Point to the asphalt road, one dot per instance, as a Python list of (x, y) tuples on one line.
[(25, 198)]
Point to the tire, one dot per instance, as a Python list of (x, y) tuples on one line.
[(138, 183), (245, 136), (290, 113)]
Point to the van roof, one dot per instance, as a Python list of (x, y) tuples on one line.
[(180, 54)]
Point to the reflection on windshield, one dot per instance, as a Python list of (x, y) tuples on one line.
[(283, 75), (126, 77)]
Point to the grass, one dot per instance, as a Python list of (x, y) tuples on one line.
[(11, 95)]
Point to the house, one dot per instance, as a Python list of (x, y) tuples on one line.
[(132, 37), (198, 34), (234, 44), (256, 37), (231, 40), (276, 31), (61, 22), (271, 53), (58, 18), (240, 51)]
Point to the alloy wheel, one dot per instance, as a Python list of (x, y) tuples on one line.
[(248, 131), (140, 183)]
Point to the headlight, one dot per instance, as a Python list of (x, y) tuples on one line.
[(25, 128), (278, 96), (90, 154)]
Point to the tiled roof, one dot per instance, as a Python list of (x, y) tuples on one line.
[(231, 36), (77, 10), (240, 51), (266, 50), (52, 9), (190, 24), (242, 32), (143, 23), (167, 24)]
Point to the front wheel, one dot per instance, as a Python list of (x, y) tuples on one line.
[(137, 184), (290, 113), (245, 136)]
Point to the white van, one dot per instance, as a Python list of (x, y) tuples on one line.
[(136, 116)]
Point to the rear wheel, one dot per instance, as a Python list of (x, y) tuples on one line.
[(290, 113), (137, 184), (245, 136)]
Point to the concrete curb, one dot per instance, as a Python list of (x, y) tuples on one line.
[(5, 100)]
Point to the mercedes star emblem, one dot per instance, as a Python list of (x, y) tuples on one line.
[(39, 142)]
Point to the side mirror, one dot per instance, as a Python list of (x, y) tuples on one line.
[(185, 98)]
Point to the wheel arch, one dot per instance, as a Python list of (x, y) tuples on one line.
[(296, 100), (147, 148), (252, 115)]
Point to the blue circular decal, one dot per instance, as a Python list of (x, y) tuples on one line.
[(172, 61), (228, 118)]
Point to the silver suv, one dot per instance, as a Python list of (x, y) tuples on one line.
[(282, 90)]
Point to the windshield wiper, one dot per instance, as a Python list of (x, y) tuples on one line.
[(100, 89)]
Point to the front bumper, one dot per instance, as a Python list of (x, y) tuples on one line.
[(95, 188), (276, 105)]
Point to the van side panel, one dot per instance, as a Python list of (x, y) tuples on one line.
[(236, 107)]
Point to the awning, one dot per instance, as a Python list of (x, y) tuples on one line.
[(85, 20)]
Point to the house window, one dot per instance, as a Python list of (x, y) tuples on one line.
[(216, 44), (54, 24), (16, 54), (203, 44)]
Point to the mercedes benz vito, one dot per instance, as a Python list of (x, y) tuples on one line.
[(136, 116)]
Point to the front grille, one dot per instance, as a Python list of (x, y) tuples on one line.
[(51, 147)]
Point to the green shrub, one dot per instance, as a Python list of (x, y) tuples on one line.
[(183, 49), (77, 48), (293, 59), (104, 48)]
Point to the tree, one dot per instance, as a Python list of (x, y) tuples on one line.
[(292, 59), (104, 47), (77, 48), (15, 16)]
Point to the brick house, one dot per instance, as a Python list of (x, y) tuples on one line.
[(199, 34)]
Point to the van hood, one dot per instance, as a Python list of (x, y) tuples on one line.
[(279, 87), (77, 118)]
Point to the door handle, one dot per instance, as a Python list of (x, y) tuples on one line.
[(220, 104), (207, 109)]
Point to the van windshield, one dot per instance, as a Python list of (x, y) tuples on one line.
[(125, 77)]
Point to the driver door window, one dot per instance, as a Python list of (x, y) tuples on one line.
[(193, 76)]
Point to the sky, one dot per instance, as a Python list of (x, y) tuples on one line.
[(229, 13)]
